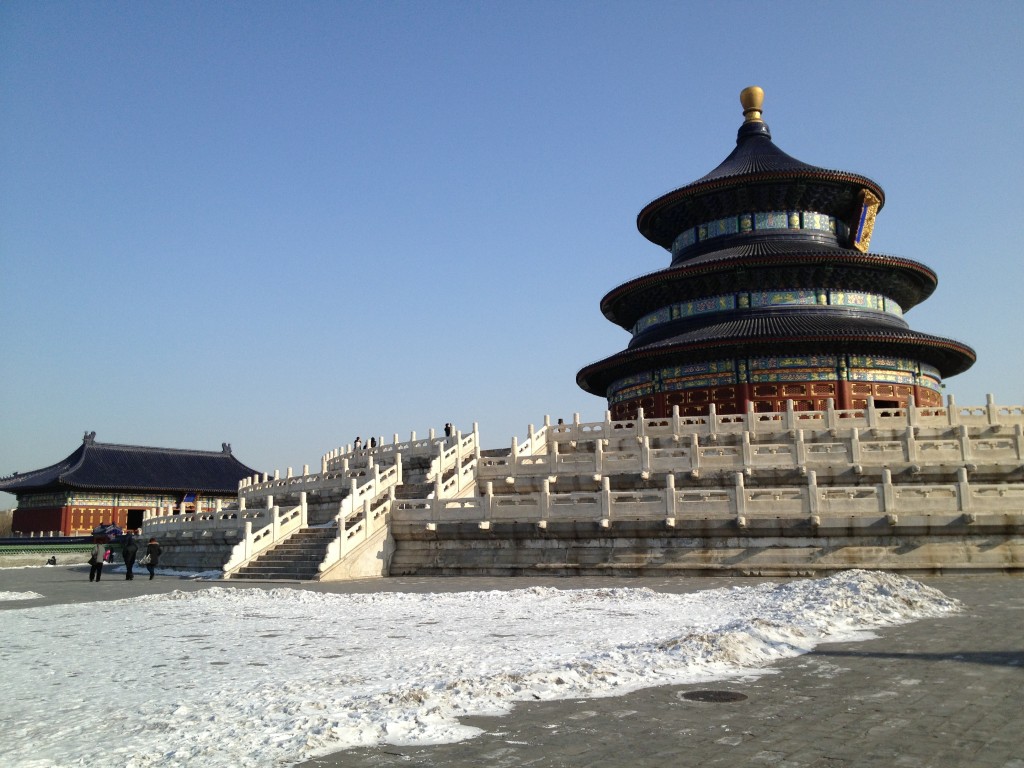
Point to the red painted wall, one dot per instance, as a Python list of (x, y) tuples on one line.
[(806, 396)]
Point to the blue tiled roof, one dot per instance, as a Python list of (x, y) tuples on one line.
[(754, 173), (135, 468), (780, 332)]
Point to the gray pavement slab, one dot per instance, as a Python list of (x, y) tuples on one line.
[(938, 693)]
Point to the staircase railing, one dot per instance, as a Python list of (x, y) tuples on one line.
[(363, 513), (283, 523), (453, 470)]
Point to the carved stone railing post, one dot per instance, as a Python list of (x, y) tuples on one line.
[(545, 502), (888, 492), (991, 411), (812, 492), (952, 414), (671, 501), (748, 451), (871, 413), (911, 442), (741, 496), (606, 500), (965, 442), (489, 500), (963, 489)]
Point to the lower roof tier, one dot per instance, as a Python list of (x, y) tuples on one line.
[(786, 333), (906, 282)]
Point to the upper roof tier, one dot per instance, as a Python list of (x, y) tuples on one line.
[(759, 178)]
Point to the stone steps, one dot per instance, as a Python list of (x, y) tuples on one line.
[(296, 559)]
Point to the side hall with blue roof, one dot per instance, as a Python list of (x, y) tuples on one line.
[(102, 483)]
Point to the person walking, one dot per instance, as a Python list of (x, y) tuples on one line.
[(152, 558), (96, 558), (129, 550)]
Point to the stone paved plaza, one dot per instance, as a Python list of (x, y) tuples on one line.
[(938, 693)]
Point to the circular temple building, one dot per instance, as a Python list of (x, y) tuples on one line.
[(771, 295)]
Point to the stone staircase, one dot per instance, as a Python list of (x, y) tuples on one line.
[(297, 558), (375, 479)]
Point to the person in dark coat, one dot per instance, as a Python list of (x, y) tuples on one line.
[(153, 557), (129, 550), (96, 558)]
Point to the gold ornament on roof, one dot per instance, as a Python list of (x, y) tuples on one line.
[(752, 98), (864, 225)]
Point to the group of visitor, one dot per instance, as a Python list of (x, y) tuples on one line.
[(102, 552), (371, 445)]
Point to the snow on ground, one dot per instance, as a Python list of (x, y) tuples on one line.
[(227, 677), (19, 595)]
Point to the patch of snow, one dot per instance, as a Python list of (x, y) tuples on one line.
[(19, 595), (255, 677)]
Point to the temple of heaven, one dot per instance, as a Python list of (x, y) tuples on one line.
[(771, 295)]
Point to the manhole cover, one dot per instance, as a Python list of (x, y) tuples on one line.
[(718, 697)]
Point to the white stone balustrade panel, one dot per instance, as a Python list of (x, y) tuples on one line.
[(997, 498), (775, 502), (859, 500), (933, 499)]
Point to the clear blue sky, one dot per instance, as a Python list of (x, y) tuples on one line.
[(282, 225)]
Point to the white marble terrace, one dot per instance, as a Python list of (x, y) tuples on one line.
[(920, 467)]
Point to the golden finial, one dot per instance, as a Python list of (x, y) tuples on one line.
[(751, 98)]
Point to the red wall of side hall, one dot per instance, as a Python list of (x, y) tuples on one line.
[(37, 519), (69, 521)]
